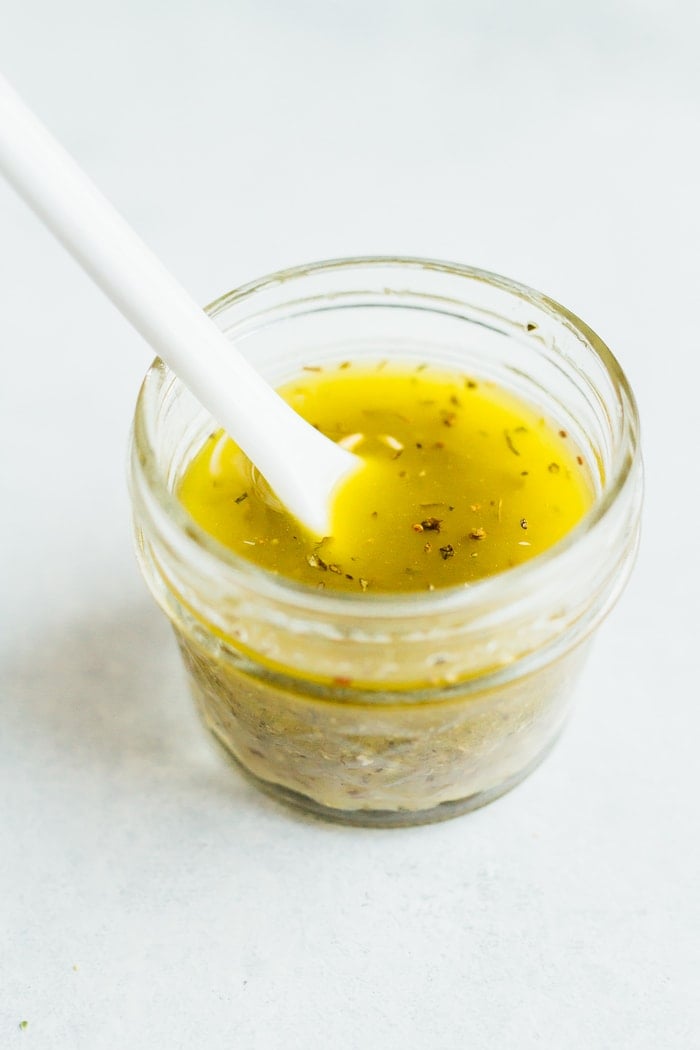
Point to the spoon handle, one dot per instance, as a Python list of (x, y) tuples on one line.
[(301, 465)]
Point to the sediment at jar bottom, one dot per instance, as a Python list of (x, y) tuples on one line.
[(370, 757)]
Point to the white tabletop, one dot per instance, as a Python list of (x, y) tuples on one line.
[(149, 897)]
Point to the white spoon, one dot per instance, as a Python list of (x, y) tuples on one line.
[(301, 466)]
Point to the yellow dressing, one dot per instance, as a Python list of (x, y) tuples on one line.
[(461, 480)]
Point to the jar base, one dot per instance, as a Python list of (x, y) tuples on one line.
[(386, 818)]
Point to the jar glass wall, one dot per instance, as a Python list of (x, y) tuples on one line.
[(392, 709)]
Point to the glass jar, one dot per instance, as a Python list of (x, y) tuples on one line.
[(392, 709)]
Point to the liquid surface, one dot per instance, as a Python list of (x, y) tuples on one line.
[(462, 480)]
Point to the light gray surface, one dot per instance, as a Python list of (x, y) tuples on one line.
[(148, 897)]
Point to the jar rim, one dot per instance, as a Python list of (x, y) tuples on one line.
[(194, 542)]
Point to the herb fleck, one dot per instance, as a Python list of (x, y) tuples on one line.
[(553, 468), (477, 534), (316, 563), (523, 523), (447, 551), (243, 496), (432, 524), (509, 443)]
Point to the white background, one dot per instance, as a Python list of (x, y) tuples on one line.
[(149, 898)]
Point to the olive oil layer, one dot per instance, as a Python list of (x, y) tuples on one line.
[(461, 480)]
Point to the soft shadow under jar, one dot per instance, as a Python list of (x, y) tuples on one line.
[(392, 709)]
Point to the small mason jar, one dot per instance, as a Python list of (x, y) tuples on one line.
[(383, 709)]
